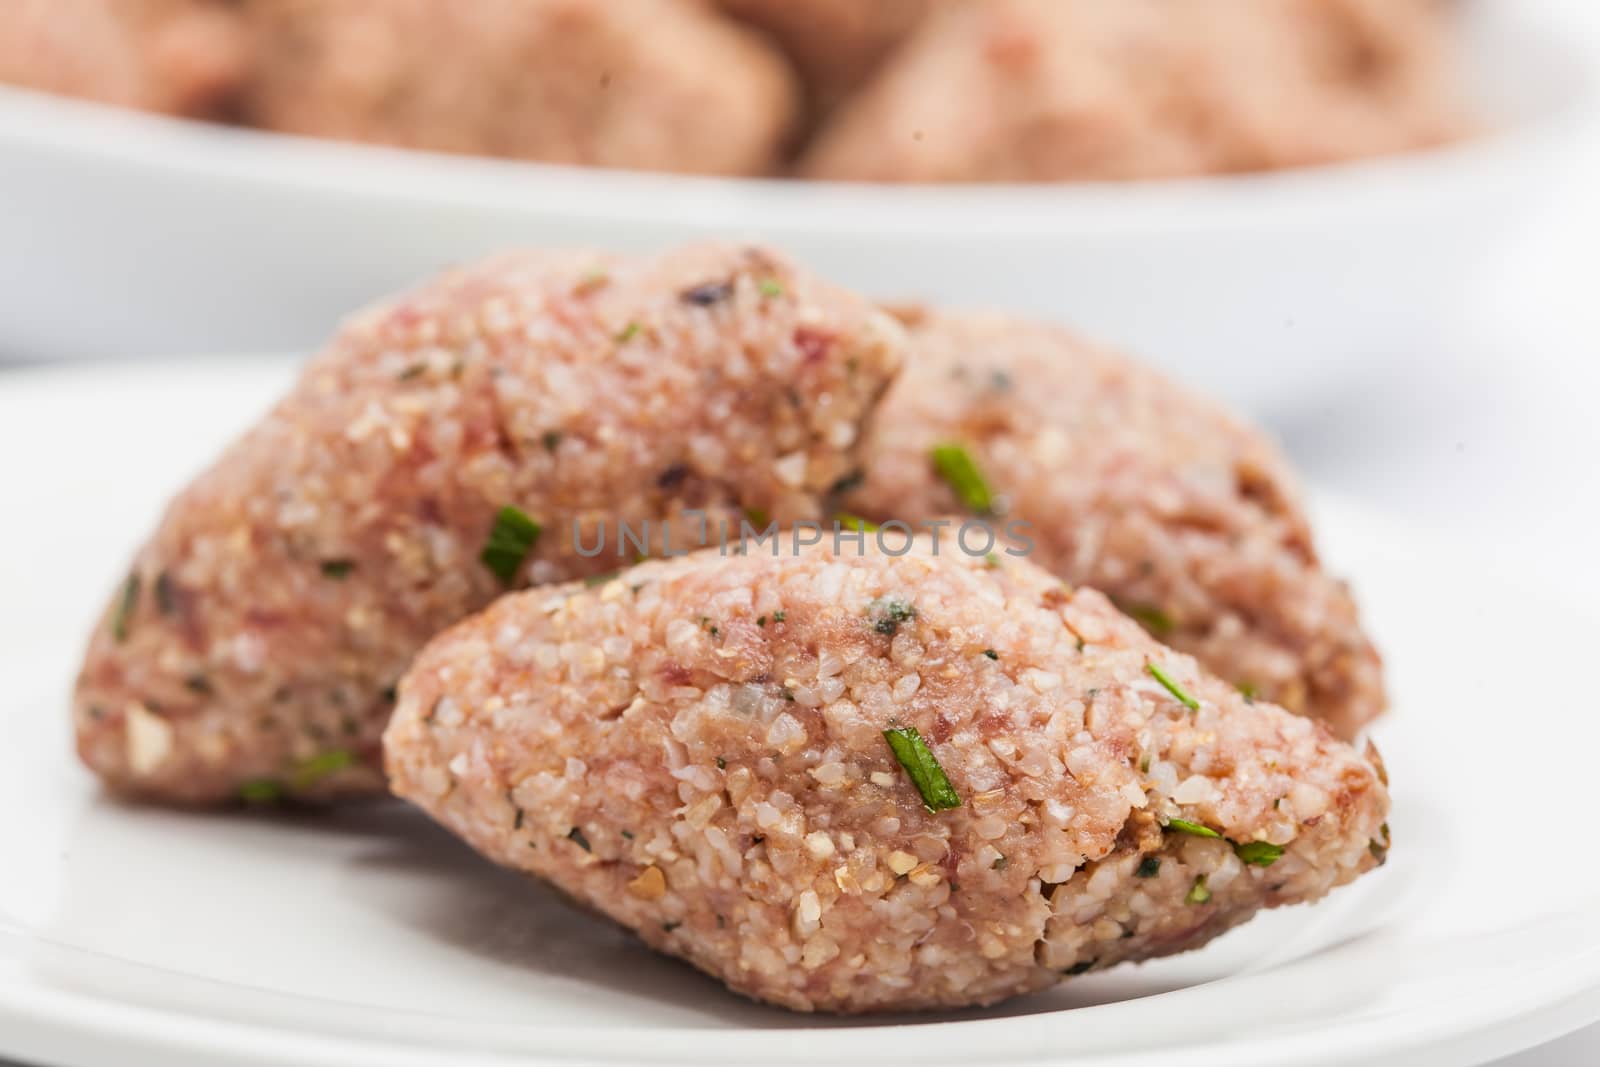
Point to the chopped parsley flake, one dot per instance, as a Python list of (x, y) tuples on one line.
[(598, 579), (777, 616), (770, 287), (848, 521), (551, 439), (628, 333), (125, 607), (1198, 893), (1172, 687), (757, 518), (261, 791), (1184, 826), (923, 768), (1149, 867), (888, 613), (1248, 691), (337, 568), (956, 466), (1155, 621), (722, 764), (991, 560), (575, 835), (761, 621), (991, 653), (309, 772), (1258, 853), (510, 540)]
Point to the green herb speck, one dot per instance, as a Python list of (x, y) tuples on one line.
[(770, 287), (337, 568), (1198, 893), (510, 540), (628, 333), (309, 772), (1184, 826), (575, 835), (923, 768), (991, 653), (1153, 619), (1149, 867), (960, 472), (848, 521), (888, 613), (551, 439), (1172, 687), (261, 791), (1258, 853)]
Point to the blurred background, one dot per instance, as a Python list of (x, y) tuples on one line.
[(1407, 304)]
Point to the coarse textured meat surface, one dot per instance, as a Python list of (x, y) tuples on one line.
[(1185, 517), (836, 44), (256, 639), (649, 84), (696, 749), (183, 57), (1041, 90)]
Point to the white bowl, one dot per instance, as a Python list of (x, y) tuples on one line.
[(126, 234)]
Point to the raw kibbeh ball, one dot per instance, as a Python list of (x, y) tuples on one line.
[(444, 446), (181, 57), (1188, 519), (1045, 90), (836, 44), (698, 749), (646, 84)]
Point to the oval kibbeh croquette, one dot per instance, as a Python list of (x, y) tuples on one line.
[(1057, 90), (440, 449), (645, 84), (844, 782), (1187, 518)]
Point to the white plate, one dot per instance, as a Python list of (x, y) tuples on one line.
[(369, 937), (132, 234)]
